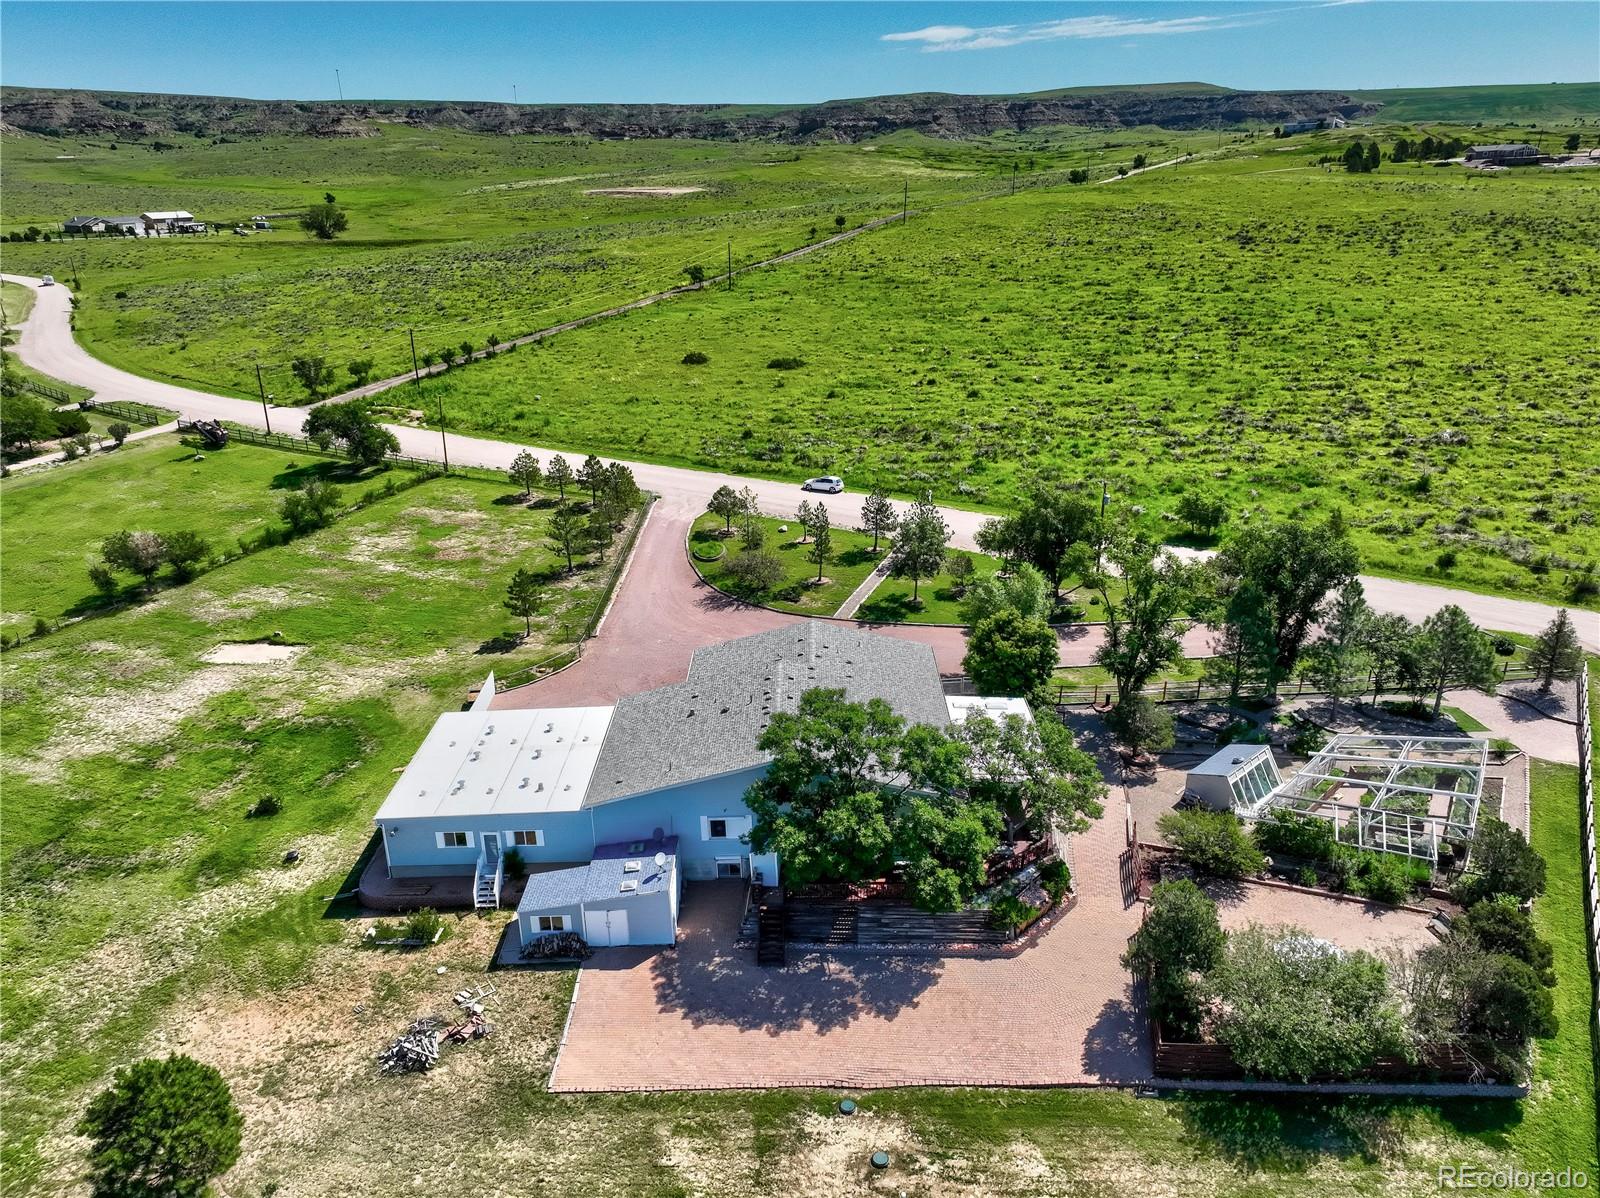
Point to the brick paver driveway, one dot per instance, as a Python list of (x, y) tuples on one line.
[(1062, 1012)]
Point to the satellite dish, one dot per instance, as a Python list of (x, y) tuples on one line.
[(661, 860)]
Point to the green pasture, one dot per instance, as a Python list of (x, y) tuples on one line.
[(55, 519), (1408, 347)]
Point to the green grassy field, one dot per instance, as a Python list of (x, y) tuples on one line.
[(453, 236), (1546, 103), (848, 565), (133, 880), (230, 494), (1407, 347), (18, 302)]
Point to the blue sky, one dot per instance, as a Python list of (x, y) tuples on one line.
[(779, 52)]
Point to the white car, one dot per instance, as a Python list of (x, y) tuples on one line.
[(47, 281), (832, 484)]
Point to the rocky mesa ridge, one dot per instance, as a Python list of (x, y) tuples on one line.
[(135, 116)]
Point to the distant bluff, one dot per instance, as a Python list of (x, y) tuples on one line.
[(136, 116)]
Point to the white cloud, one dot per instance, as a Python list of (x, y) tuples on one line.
[(993, 37)]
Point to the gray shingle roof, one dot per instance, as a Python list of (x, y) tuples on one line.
[(550, 888), (708, 725), (601, 879)]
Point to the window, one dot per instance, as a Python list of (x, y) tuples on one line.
[(530, 838), (717, 829), (729, 869), (552, 923), (455, 840), (730, 827)]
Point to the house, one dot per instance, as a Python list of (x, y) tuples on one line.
[(158, 223), (1238, 776), (125, 225), (83, 225), (1514, 154), (612, 808), (1324, 122)]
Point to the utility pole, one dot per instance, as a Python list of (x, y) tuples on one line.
[(416, 375), (338, 80), (730, 263), (1013, 178), (905, 203), (513, 93), (444, 445), (262, 391)]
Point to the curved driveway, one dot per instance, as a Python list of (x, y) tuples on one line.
[(46, 343)]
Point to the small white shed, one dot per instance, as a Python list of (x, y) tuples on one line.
[(1236, 778)]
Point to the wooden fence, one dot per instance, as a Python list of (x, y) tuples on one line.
[(1587, 835), (1104, 694), (134, 413), (46, 390), (1214, 1062)]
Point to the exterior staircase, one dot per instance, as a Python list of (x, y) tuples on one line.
[(490, 873), (771, 934)]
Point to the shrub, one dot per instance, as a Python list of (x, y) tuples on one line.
[(756, 570), (1295, 835), (695, 358), (1213, 842), (118, 431), (264, 808), (515, 866), (1502, 927), (164, 1127), (1308, 738), (1382, 877), (1179, 939), (1515, 1004), (1141, 725), (423, 924), (1012, 914), (709, 553), (1502, 862), (1307, 876), (1056, 879), (104, 580), (786, 363)]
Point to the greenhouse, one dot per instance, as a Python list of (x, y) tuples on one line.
[(1411, 795), (1237, 778)]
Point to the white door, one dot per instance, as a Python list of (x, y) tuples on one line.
[(605, 929)]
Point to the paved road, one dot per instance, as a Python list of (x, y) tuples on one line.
[(46, 343)]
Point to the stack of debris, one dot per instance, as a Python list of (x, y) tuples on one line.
[(556, 946), (416, 1050)]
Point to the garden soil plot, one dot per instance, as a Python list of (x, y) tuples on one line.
[(1179, 331)]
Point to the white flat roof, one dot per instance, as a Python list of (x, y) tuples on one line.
[(992, 706), (1233, 759), (500, 762)]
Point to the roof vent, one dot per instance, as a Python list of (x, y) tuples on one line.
[(538, 788), (456, 789), (631, 867), (523, 785), (550, 727), (472, 756), (489, 731), (628, 886)]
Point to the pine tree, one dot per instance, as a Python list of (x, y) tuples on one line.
[(804, 515), (522, 598), (559, 475), (1339, 654), (1374, 156), (1557, 653), (524, 473), (919, 550), (1244, 648), (590, 475), (878, 516), (566, 532), (821, 539)]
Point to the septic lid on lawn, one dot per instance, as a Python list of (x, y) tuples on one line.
[(880, 1160), (847, 1106)]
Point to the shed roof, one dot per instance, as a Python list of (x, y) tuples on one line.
[(179, 215), (1227, 762), (630, 863), (708, 725), (491, 762)]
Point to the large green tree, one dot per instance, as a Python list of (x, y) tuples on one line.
[(1024, 591), (1293, 1006), (352, 427), (918, 552), (1339, 657), (1056, 529), (1142, 632), (726, 504), (851, 791), (1034, 772), (163, 1129), (1389, 641), (1011, 654), (878, 516), (1294, 565), (1243, 651)]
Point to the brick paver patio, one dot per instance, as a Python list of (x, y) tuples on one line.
[(1061, 1012)]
